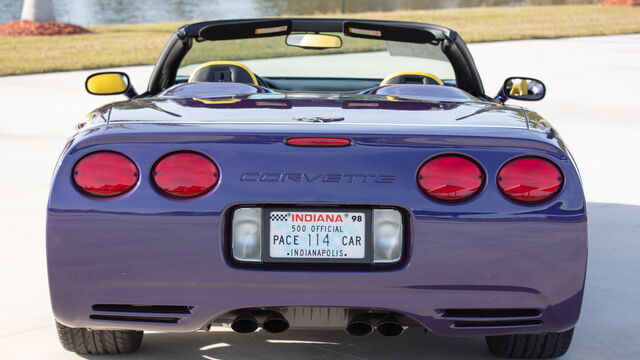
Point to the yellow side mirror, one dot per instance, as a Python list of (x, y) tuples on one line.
[(107, 83), (522, 88)]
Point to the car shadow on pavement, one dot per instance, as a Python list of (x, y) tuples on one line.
[(612, 284), (334, 345)]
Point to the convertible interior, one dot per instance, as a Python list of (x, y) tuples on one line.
[(235, 72)]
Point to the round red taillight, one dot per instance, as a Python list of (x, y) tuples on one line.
[(185, 174), (105, 174), (530, 179), (450, 178)]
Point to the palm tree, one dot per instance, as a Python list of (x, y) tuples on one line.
[(38, 10)]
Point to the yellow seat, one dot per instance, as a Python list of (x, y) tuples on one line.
[(411, 77), (223, 71)]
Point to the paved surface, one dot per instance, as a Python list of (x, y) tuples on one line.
[(592, 100)]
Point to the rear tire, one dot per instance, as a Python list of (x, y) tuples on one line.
[(85, 341), (530, 346)]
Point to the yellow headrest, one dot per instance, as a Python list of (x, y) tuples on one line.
[(400, 74), (230, 64)]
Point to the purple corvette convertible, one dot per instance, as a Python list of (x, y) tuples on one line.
[(362, 180)]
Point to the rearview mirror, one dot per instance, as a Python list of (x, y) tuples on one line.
[(109, 83), (522, 88), (314, 41)]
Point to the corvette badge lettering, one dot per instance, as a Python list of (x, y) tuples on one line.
[(274, 177)]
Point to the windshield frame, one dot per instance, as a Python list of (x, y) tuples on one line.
[(454, 48)]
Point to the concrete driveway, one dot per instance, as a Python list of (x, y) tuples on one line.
[(593, 100)]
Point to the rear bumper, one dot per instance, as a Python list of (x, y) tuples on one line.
[(172, 259), (485, 253)]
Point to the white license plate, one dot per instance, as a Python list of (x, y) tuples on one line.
[(329, 235)]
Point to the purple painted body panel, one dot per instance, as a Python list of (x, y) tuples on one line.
[(485, 253)]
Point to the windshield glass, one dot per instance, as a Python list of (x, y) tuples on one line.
[(357, 58)]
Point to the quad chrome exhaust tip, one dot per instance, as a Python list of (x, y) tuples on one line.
[(390, 326), (275, 323), (360, 325), (244, 323)]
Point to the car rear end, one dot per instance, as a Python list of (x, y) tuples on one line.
[(260, 227)]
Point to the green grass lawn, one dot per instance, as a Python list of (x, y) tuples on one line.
[(122, 45)]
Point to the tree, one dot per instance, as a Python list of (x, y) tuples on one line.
[(38, 10)]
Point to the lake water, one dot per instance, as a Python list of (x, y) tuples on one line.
[(91, 12)]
